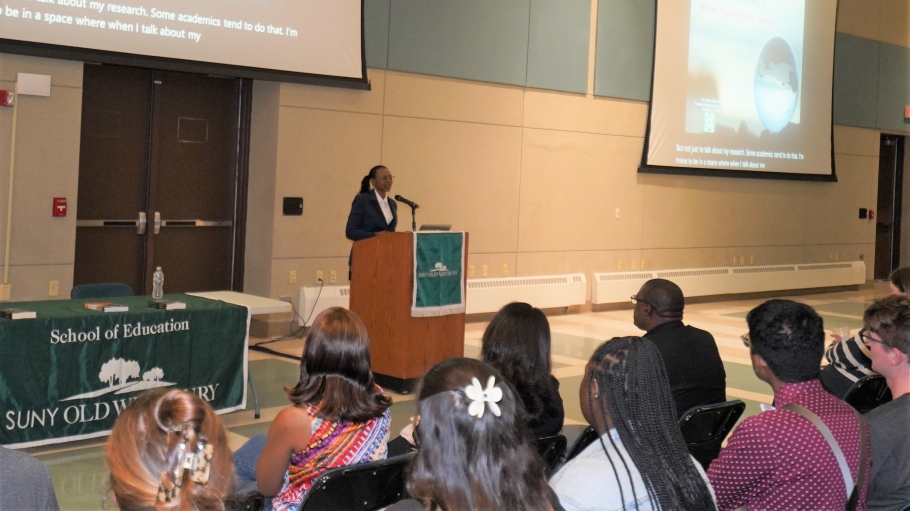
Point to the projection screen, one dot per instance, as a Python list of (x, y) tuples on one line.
[(288, 40), (742, 88)]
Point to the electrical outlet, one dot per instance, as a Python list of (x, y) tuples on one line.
[(318, 276), (845, 256), (471, 271), (751, 260), (484, 270), (742, 260), (54, 288), (641, 264), (292, 278), (6, 290), (505, 270), (836, 256), (619, 265), (333, 276), (734, 260), (617, 212)]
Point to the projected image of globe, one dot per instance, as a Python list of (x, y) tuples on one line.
[(776, 84)]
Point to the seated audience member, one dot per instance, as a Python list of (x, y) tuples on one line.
[(517, 344), (168, 450), (888, 340), (690, 355), (779, 459), (848, 359), (640, 461), (474, 452), (25, 483), (339, 416)]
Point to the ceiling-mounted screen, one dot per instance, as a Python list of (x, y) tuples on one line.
[(292, 38), (742, 88)]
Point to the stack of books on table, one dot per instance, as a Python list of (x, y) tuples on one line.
[(168, 305), (18, 314), (106, 307)]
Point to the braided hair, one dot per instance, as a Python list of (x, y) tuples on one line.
[(634, 390), (365, 182)]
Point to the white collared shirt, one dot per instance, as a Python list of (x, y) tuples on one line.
[(384, 206)]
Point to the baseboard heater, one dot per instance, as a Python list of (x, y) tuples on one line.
[(618, 287), (484, 295)]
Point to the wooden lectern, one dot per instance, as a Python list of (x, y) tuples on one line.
[(402, 347)]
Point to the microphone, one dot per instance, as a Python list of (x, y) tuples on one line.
[(413, 205)]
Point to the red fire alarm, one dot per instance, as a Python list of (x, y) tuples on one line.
[(7, 98), (59, 206), (907, 112), (871, 214)]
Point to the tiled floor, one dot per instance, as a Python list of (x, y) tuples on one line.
[(80, 477)]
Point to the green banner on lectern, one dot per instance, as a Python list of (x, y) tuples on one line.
[(438, 274), (68, 374)]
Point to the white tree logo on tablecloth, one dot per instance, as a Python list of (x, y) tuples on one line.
[(116, 373)]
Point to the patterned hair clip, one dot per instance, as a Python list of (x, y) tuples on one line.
[(481, 398), (197, 465)]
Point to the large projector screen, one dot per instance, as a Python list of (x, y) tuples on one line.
[(289, 40), (742, 88)]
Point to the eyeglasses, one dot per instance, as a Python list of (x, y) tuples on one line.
[(746, 340), (867, 338), (636, 299)]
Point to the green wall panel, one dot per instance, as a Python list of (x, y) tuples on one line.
[(376, 32), (856, 81), (480, 40), (625, 49), (893, 87), (560, 35)]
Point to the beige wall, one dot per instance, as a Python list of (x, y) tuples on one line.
[(536, 177), (42, 248)]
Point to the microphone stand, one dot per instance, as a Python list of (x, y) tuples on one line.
[(413, 219)]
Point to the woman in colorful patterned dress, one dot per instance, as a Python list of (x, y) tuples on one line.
[(340, 416)]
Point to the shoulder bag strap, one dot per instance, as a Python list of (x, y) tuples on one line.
[(851, 489)]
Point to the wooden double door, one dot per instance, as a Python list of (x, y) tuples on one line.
[(162, 179)]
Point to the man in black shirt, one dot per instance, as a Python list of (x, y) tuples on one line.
[(694, 368)]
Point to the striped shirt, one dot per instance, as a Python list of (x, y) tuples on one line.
[(848, 361)]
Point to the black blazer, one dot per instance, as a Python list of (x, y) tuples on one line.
[(366, 218), (696, 373)]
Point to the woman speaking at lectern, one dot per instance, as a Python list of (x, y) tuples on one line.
[(373, 210)]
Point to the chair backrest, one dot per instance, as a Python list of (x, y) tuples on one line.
[(868, 393), (704, 428), (105, 290), (586, 438), (362, 487), (551, 450)]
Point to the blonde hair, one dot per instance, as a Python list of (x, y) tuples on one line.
[(137, 452)]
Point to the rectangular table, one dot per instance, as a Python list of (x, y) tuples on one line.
[(68, 374)]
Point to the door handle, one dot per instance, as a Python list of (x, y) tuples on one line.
[(157, 222), (143, 223)]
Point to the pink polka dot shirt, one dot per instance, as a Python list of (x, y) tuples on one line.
[(778, 460)]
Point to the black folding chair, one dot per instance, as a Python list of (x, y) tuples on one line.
[(551, 450), (868, 393), (704, 428), (586, 438), (363, 487)]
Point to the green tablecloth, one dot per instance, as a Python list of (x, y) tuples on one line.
[(68, 374)]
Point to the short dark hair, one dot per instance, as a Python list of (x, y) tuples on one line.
[(517, 344), (335, 373), (465, 462), (790, 337), (901, 279), (890, 319), (665, 296)]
